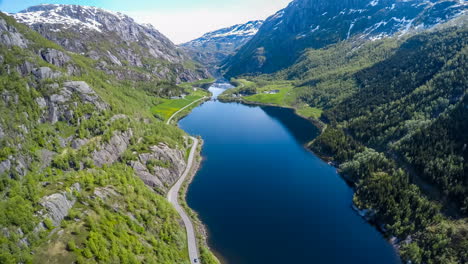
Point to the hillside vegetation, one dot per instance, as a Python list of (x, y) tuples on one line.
[(79, 150)]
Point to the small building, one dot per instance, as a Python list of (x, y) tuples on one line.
[(272, 92)]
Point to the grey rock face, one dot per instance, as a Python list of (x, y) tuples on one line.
[(10, 36), (111, 152), (5, 166), (105, 192), (160, 177), (114, 59), (43, 73), (148, 178), (41, 102), (78, 143), (55, 57), (60, 102), (25, 68), (86, 94), (57, 205)]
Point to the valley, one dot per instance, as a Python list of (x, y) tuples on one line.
[(329, 132)]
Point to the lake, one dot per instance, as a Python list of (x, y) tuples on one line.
[(265, 198)]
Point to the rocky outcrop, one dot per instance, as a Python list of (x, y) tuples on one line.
[(111, 152), (160, 168), (55, 57), (57, 205), (5, 166), (10, 36), (86, 94), (105, 193), (59, 105), (43, 73), (25, 68)]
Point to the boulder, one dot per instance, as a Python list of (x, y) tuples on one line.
[(105, 192), (111, 152), (57, 205), (5, 166), (113, 59), (25, 68), (55, 57), (160, 177), (43, 73), (41, 102), (9, 36), (149, 179), (78, 143), (86, 93)]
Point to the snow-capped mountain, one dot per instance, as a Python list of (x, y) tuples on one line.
[(240, 32), (111, 38), (318, 23), (214, 47)]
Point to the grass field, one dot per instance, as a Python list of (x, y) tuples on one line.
[(307, 111), (282, 98), (168, 107)]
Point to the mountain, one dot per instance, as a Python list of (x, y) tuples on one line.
[(84, 164), (214, 47), (115, 40), (318, 23)]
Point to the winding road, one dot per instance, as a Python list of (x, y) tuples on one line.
[(173, 195), (182, 109)]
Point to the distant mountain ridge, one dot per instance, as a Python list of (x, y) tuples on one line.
[(113, 39), (214, 47), (317, 23)]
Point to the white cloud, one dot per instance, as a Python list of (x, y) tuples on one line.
[(184, 25)]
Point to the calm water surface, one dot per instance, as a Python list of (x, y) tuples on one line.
[(265, 199)]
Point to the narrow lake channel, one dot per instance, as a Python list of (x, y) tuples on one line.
[(265, 199)]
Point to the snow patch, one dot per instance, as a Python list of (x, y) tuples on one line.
[(374, 3)]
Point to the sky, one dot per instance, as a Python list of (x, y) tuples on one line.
[(180, 20)]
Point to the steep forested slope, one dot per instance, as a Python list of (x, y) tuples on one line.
[(411, 105), (77, 147)]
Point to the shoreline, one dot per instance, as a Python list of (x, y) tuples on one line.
[(392, 240), (186, 110), (201, 230), (319, 124)]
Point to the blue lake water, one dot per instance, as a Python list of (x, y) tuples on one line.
[(265, 199)]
